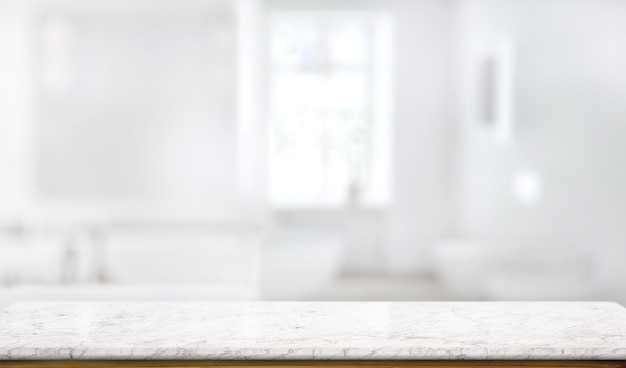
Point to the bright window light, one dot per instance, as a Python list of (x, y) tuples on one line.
[(329, 109)]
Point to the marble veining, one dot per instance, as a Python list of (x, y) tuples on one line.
[(314, 330)]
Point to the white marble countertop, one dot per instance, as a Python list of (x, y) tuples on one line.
[(309, 330)]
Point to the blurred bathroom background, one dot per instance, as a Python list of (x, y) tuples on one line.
[(312, 150)]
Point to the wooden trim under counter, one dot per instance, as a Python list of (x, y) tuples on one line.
[(313, 364)]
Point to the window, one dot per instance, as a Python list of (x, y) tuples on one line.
[(329, 109)]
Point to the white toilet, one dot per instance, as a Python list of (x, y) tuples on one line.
[(461, 266), (299, 265), (472, 270)]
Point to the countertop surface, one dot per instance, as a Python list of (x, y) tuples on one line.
[(314, 330)]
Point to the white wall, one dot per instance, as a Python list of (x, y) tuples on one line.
[(422, 140), (146, 128), (569, 86)]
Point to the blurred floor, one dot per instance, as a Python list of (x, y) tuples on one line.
[(384, 288)]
